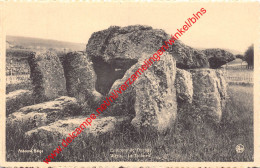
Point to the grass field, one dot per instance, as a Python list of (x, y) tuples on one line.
[(191, 140), (26, 85)]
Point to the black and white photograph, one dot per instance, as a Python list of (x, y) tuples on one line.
[(129, 82)]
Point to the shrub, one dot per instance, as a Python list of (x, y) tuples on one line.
[(240, 56)]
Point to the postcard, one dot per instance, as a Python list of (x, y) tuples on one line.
[(129, 84)]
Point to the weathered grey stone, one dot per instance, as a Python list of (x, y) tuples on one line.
[(62, 128), (18, 99), (184, 88), (218, 57), (114, 50), (100, 42), (188, 57), (80, 77), (121, 47), (59, 104), (222, 86), (27, 121), (151, 99), (209, 92), (47, 76), (31, 117)]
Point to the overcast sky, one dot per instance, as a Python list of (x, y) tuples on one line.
[(225, 25)]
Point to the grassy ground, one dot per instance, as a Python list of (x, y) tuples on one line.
[(23, 85), (189, 140)]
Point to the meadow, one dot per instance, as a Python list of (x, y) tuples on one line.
[(189, 140)]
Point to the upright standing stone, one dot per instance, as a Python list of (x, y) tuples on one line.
[(151, 99), (184, 88), (156, 105), (222, 86), (80, 77), (209, 93), (47, 76)]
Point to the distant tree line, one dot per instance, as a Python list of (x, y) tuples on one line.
[(248, 56)]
